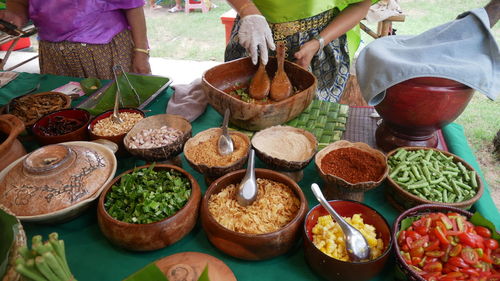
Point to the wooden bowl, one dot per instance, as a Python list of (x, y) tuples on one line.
[(151, 236), (412, 212), (250, 116), (402, 199), (156, 122), (12, 109), (274, 159), (214, 172), (336, 270), (252, 246), (338, 188), (118, 139), (78, 134)]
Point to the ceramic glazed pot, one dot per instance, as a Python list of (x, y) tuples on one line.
[(414, 109), (10, 147)]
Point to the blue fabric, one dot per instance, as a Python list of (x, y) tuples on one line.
[(463, 50)]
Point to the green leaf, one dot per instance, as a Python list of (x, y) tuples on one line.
[(405, 223), (9, 227), (204, 274), (478, 219)]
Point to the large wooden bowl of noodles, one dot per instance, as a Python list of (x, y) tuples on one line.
[(222, 78)]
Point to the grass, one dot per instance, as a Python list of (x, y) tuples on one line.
[(198, 36)]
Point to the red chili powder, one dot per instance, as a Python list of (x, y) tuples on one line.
[(352, 165)]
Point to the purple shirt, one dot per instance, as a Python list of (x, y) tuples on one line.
[(84, 21)]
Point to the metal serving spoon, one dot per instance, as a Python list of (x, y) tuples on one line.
[(225, 143), (355, 243), (247, 191)]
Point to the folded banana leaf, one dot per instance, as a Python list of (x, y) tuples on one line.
[(147, 87), (8, 225)]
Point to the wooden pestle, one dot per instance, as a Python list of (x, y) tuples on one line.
[(281, 87), (260, 84)]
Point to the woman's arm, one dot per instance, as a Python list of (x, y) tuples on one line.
[(137, 22), (244, 7), (493, 11), (343, 22)]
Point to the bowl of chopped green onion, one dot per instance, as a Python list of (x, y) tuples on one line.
[(149, 207), (423, 175)]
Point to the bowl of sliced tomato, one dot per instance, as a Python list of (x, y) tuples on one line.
[(437, 242)]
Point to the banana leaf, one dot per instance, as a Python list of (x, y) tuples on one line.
[(9, 227), (147, 87)]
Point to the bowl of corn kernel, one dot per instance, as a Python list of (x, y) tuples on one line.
[(324, 245)]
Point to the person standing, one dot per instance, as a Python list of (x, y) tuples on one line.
[(83, 38), (314, 33)]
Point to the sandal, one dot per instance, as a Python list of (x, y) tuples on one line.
[(174, 10)]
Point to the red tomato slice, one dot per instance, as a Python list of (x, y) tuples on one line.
[(458, 262), (482, 231), (470, 271), (438, 231), (433, 267), (491, 243), (417, 252), (432, 246), (435, 254), (455, 251), (469, 255)]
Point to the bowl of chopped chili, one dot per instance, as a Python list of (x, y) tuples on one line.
[(350, 169), (62, 126)]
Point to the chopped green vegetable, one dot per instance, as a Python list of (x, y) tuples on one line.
[(147, 196)]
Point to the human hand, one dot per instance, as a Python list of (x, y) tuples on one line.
[(140, 63), (12, 18), (306, 53), (255, 36)]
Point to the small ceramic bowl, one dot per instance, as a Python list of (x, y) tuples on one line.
[(79, 133), (336, 270), (90, 85), (252, 246), (339, 188), (151, 236), (118, 139), (412, 212), (213, 172), (403, 199), (156, 122)]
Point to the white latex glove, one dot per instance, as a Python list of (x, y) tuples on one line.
[(254, 35)]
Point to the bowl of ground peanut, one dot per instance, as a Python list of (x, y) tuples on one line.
[(102, 127), (202, 154), (350, 169)]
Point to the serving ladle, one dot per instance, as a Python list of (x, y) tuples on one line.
[(247, 190), (225, 144), (355, 243)]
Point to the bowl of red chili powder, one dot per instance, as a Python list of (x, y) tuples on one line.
[(350, 169)]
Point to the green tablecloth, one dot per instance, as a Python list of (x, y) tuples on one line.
[(92, 257)]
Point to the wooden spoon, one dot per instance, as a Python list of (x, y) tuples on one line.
[(281, 87), (260, 84)]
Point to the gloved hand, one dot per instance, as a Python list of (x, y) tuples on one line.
[(255, 35)]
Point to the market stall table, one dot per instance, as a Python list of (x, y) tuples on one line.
[(92, 257)]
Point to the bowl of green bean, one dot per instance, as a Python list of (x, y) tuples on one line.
[(423, 175)]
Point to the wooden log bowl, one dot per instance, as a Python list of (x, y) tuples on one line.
[(211, 173), (252, 246), (155, 122), (151, 236), (403, 200), (338, 188), (250, 116)]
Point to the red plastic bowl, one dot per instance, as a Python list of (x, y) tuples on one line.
[(337, 270), (77, 134)]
